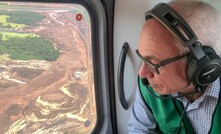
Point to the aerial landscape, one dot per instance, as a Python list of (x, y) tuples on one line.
[(46, 70)]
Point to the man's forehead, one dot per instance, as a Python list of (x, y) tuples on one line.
[(154, 32), (153, 25), (154, 39)]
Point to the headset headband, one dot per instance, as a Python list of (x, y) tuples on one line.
[(177, 26)]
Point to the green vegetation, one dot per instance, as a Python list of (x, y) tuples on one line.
[(4, 23), (24, 46), (5, 57), (19, 18), (27, 47), (7, 35)]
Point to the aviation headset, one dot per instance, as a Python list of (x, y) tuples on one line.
[(203, 64)]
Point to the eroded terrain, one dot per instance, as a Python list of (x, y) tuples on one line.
[(50, 97)]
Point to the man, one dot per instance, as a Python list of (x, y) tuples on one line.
[(179, 101)]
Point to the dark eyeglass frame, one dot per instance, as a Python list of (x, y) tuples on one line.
[(155, 67)]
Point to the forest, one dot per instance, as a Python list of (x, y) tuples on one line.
[(24, 46)]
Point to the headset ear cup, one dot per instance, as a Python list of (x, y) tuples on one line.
[(208, 49), (210, 70), (206, 72), (211, 53)]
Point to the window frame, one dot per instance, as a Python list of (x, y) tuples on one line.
[(103, 78)]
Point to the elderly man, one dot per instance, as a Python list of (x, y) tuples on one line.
[(179, 84)]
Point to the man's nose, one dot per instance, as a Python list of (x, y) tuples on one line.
[(145, 71)]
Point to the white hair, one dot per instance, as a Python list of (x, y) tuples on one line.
[(204, 21)]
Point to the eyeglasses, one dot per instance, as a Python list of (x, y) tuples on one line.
[(154, 67)]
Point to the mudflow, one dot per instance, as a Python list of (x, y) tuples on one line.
[(50, 97)]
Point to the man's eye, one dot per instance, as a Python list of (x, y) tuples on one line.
[(152, 60)]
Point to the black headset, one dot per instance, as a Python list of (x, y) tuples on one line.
[(203, 64)]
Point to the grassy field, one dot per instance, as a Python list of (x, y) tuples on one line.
[(5, 23), (7, 35)]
